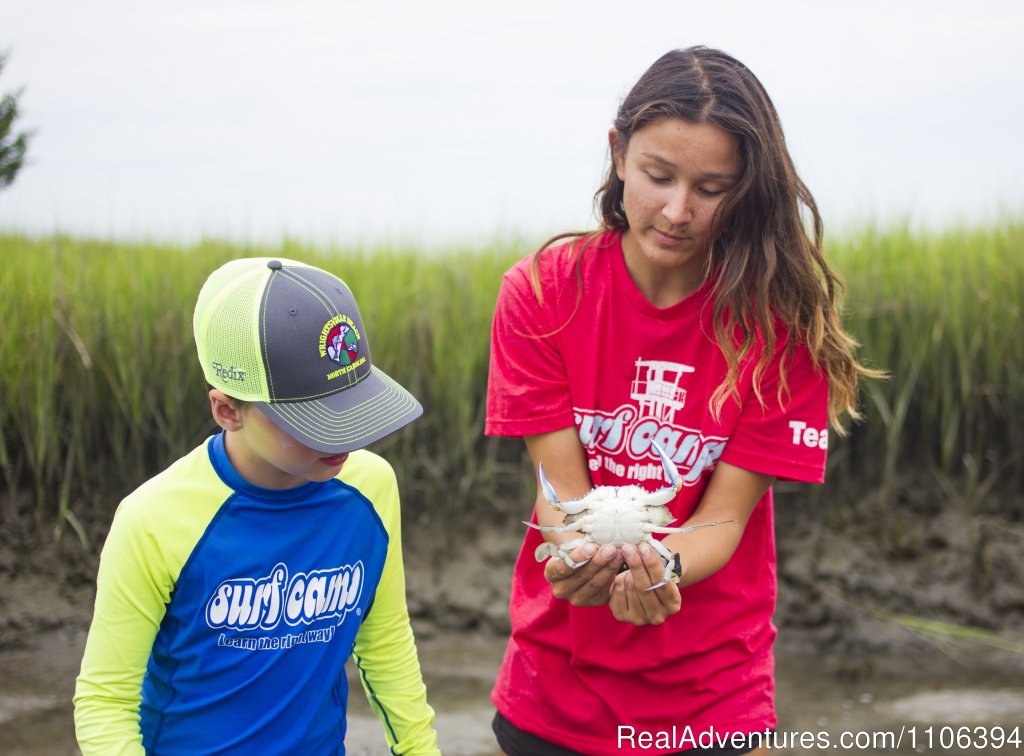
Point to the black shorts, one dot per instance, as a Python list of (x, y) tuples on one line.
[(516, 742)]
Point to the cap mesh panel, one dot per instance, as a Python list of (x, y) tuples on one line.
[(229, 334)]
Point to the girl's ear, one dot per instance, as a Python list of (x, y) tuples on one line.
[(618, 153), (225, 411)]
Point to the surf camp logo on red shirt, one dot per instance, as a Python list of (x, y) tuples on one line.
[(657, 395)]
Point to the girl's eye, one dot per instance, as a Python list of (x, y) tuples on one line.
[(657, 179), (711, 192)]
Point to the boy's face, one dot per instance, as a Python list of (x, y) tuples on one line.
[(267, 456)]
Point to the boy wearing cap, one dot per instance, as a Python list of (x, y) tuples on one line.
[(234, 585)]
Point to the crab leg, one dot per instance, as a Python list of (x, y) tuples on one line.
[(571, 528), (548, 549), (673, 567), (688, 528)]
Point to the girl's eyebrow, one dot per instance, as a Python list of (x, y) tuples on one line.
[(714, 175), (657, 159)]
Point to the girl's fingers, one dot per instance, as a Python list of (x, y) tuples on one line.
[(587, 584), (645, 570)]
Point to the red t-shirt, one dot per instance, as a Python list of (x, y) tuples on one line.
[(624, 372)]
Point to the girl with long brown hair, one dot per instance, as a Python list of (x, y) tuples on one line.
[(700, 319)]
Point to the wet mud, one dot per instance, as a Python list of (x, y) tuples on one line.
[(946, 688)]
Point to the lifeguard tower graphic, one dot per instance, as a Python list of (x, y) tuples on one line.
[(656, 388)]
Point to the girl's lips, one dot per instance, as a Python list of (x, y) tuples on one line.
[(335, 461), (668, 238)]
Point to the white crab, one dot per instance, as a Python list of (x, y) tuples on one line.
[(617, 515)]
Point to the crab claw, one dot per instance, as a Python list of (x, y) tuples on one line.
[(546, 487), (675, 480)]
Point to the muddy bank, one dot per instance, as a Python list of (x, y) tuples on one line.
[(965, 687), (848, 572), (843, 567), (849, 659), (922, 553)]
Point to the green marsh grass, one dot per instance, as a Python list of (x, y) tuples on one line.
[(942, 313), (100, 388)]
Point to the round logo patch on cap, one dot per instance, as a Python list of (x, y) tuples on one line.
[(341, 343)]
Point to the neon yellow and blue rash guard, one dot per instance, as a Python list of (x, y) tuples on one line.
[(225, 613)]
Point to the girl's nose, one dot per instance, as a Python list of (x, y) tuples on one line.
[(677, 209)]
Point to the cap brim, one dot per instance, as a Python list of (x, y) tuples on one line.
[(347, 420)]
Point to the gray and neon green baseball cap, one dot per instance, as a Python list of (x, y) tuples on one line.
[(289, 338)]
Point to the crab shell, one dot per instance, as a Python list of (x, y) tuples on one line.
[(616, 515)]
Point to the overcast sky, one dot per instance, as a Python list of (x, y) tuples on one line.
[(447, 121)]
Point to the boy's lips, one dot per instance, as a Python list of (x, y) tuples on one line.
[(335, 460)]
